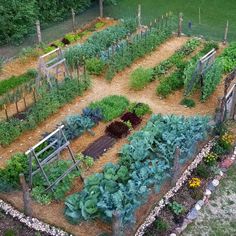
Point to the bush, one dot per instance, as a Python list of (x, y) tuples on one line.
[(140, 78), (161, 225), (188, 102), (112, 106), (176, 208), (95, 66), (117, 129), (140, 109), (203, 171)]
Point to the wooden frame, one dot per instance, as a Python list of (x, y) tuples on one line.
[(58, 140)]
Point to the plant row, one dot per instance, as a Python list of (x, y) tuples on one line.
[(142, 77), (99, 41), (49, 102), (144, 165), (176, 80), (173, 214)]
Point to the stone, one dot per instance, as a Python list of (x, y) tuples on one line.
[(173, 234), (211, 187), (207, 192), (221, 173), (197, 207), (193, 214), (215, 182), (200, 203)]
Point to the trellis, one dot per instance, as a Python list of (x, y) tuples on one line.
[(51, 65), (202, 67), (54, 143)]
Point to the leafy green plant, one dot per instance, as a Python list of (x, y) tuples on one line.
[(140, 78), (144, 163), (70, 37), (99, 25), (95, 66), (140, 109), (203, 171), (9, 176), (111, 106), (176, 208), (161, 225), (211, 159), (188, 102), (9, 232)]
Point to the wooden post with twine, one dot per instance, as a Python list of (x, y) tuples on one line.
[(226, 32), (38, 29), (26, 196), (73, 20), (180, 26), (116, 224)]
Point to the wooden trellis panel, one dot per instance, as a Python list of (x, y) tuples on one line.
[(57, 142)]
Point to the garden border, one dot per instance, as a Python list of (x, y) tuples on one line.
[(32, 223), (165, 200)]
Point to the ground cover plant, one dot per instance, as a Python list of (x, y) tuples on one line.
[(48, 103), (111, 106), (140, 109), (144, 163)]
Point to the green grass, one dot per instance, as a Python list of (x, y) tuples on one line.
[(214, 14)]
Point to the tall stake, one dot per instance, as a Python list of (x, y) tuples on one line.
[(26, 196), (226, 32), (101, 8), (180, 24), (39, 35), (73, 19), (199, 15), (116, 224), (139, 15)]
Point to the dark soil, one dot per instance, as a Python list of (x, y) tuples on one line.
[(12, 227), (99, 146)]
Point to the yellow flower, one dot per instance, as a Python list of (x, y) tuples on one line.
[(194, 183)]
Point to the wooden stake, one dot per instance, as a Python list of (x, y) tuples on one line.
[(199, 15), (26, 196), (180, 24), (139, 15), (23, 95), (39, 35), (101, 8), (226, 32), (116, 224), (176, 167), (233, 105), (73, 20), (5, 109)]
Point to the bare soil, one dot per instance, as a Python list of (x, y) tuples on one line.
[(53, 213)]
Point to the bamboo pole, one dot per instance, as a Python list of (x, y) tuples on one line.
[(73, 20), (38, 29), (226, 32)]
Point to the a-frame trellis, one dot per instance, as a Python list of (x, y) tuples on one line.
[(53, 145), (51, 65), (198, 75)]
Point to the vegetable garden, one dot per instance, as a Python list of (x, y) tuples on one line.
[(132, 129)]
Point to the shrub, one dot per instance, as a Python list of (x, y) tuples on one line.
[(132, 118), (112, 106), (140, 78), (203, 171), (188, 102), (117, 129), (95, 66), (161, 225), (211, 159), (70, 37), (176, 208), (140, 109), (226, 141), (163, 89)]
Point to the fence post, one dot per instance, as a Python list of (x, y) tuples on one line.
[(39, 35), (73, 20), (5, 109), (116, 224), (180, 24), (139, 15), (176, 167), (233, 105), (226, 32), (26, 196), (101, 8)]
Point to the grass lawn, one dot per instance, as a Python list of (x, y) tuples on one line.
[(214, 14)]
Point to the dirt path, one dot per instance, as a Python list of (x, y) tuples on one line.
[(120, 86)]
